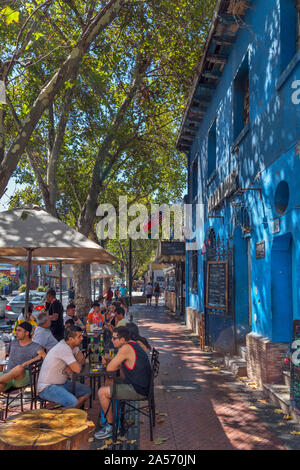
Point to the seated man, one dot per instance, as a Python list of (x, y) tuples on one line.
[(135, 377), (120, 317), (42, 334), (71, 315), (65, 358), (117, 317), (23, 351), (101, 302)]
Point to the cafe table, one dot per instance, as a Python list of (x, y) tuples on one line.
[(94, 373)]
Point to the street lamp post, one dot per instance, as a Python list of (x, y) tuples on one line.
[(130, 272)]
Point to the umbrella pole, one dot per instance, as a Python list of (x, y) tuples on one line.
[(28, 280), (60, 282)]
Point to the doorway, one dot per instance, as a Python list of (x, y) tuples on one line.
[(281, 289), (242, 299)]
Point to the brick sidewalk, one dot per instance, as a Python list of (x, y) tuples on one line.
[(200, 406)]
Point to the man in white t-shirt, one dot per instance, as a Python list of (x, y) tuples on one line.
[(65, 358)]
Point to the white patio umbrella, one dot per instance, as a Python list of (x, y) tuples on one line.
[(35, 233), (98, 271), (63, 269)]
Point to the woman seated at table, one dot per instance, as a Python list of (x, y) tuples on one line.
[(124, 305), (29, 318), (95, 316), (135, 336)]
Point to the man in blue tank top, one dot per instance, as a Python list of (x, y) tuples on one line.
[(135, 374)]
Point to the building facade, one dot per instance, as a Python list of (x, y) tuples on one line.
[(241, 134)]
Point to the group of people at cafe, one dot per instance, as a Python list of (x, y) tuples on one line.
[(58, 340)]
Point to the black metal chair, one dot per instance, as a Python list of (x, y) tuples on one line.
[(11, 395), (34, 370), (17, 393), (149, 409)]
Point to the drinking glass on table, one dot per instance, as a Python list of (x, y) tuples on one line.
[(106, 359), (111, 353)]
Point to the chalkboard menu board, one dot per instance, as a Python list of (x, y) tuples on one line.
[(295, 367), (217, 285)]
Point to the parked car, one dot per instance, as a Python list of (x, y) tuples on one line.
[(14, 307), (3, 302)]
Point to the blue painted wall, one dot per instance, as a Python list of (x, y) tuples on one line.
[(267, 154)]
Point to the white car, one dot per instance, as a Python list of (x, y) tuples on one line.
[(3, 303), (14, 308)]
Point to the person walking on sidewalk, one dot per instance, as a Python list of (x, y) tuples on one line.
[(156, 293), (149, 293), (135, 370)]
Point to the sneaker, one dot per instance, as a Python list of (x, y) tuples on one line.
[(104, 432)]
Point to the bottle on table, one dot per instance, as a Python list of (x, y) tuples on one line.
[(92, 353), (101, 348)]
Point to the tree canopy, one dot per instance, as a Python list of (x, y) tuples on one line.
[(95, 95)]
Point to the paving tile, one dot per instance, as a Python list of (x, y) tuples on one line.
[(212, 417)]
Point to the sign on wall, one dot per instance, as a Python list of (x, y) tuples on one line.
[(295, 367), (217, 285), (260, 251), (276, 226), (227, 187)]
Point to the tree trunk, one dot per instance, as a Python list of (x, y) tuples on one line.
[(45, 429), (83, 295)]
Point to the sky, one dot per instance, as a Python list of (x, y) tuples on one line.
[(11, 188)]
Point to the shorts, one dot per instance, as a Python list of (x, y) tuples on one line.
[(63, 394), (125, 300), (125, 391), (17, 383), (149, 296), (156, 294)]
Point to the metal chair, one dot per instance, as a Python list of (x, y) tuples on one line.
[(149, 409), (34, 370), (15, 393), (11, 395)]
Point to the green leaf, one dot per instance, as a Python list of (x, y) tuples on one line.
[(10, 15)]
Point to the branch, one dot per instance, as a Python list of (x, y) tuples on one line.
[(74, 191), (55, 150), (47, 94), (77, 14), (16, 52), (87, 216), (2, 134), (31, 156)]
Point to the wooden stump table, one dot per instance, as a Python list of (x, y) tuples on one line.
[(44, 429)]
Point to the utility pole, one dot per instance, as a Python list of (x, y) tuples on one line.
[(130, 272)]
